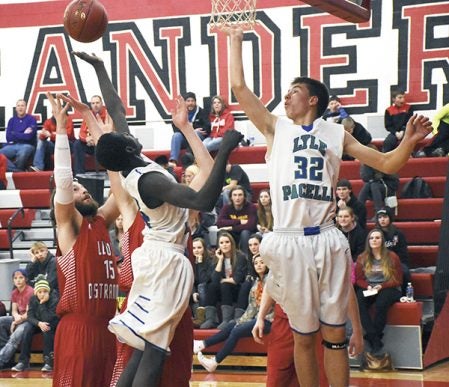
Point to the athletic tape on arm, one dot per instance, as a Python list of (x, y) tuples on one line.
[(63, 170)]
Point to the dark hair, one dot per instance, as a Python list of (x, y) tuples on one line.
[(344, 183), (317, 89), (161, 160), (334, 98), (115, 153), (396, 92), (237, 188), (264, 219)]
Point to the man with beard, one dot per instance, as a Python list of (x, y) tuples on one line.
[(87, 275)]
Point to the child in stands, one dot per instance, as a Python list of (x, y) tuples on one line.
[(42, 316), (12, 327)]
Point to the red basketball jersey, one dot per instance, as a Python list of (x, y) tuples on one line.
[(87, 274)]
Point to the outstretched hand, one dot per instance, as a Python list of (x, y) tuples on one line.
[(231, 140), (418, 127), (77, 105), (179, 112), (59, 111), (89, 58)]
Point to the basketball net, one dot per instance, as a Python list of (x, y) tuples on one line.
[(227, 13)]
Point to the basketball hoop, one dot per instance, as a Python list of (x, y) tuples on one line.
[(227, 13)]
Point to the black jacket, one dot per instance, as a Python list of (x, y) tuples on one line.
[(47, 268)]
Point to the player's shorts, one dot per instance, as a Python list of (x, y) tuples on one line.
[(159, 296), (309, 275)]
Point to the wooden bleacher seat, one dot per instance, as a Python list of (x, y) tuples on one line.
[(414, 209), (19, 222), (422, 256)]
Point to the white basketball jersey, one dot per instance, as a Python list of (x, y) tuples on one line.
[(303, 170), (168, 222)]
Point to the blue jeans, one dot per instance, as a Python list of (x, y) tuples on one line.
[(178, 142), (212, 144), (20, 152), (43, 148), (10, 348), (80, 149), (232, 333)]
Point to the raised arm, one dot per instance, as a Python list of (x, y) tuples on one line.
[(126, 204), (155, 188), (201, 154), (418, 127), (111, 98), (68, 219), (255, 110)]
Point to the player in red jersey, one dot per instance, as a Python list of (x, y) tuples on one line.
[(87, 275)]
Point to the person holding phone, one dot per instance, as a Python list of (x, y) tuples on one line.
[(230, 271)]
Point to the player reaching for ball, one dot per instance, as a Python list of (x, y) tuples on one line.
[(308, 257), (163, 276)]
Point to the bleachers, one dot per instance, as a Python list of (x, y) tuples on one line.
[(419, 219)]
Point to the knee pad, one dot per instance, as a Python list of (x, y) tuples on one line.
[(335, 346)]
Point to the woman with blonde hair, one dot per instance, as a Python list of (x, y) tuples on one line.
[(221, 120), (379, 272)]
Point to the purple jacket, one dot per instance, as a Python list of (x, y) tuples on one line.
[(16, 128)]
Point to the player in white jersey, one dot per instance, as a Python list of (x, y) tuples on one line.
[(307, 256), (163, 277)]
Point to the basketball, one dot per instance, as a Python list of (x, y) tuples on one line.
[(85, 20)]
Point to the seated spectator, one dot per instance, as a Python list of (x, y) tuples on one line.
[(234, 176), (42, 318), (13, 327), (164, 163), (46, 143), (221, 120), (346, 198), (334, 111), (21, 138), (85, 143), (202, 270), (238, 218), (377, 269), (377, 186), (200, 122), (253, 247), (42, 262), (3, 168), (199, 221), (395, 241), (357, 131), (354, 233), (396, 118), (439, 147), (234, 331), (227, 276), (264, 214)]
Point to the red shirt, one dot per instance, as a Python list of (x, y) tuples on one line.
[(87, 274), (220, 124), (22, 298), (50, 125)]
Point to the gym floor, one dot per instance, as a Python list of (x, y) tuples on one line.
[(435, 376)]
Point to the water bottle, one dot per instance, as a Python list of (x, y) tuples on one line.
[(409, 293)]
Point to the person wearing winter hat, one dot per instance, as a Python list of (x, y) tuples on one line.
[(200, 121), (346, 198), (395, 241), (41, 318), (12, 327)]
